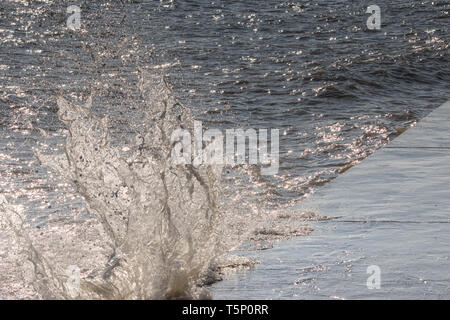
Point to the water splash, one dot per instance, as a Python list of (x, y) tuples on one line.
[(160, 224), (155, 229)]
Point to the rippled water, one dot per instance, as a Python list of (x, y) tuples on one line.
[(336, 91)]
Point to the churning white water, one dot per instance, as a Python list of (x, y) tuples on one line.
[(157, 226), (155, 229)]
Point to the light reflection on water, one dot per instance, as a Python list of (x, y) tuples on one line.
[(335, 91)]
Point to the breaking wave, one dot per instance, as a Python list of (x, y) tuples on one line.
[(157, 226)]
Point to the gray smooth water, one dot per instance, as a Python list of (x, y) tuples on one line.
[(389, 226), (336, 90)]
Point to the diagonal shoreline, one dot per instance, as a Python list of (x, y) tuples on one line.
[(392, 210)]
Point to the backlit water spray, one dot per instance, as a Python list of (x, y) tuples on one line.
[(157, 225)]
